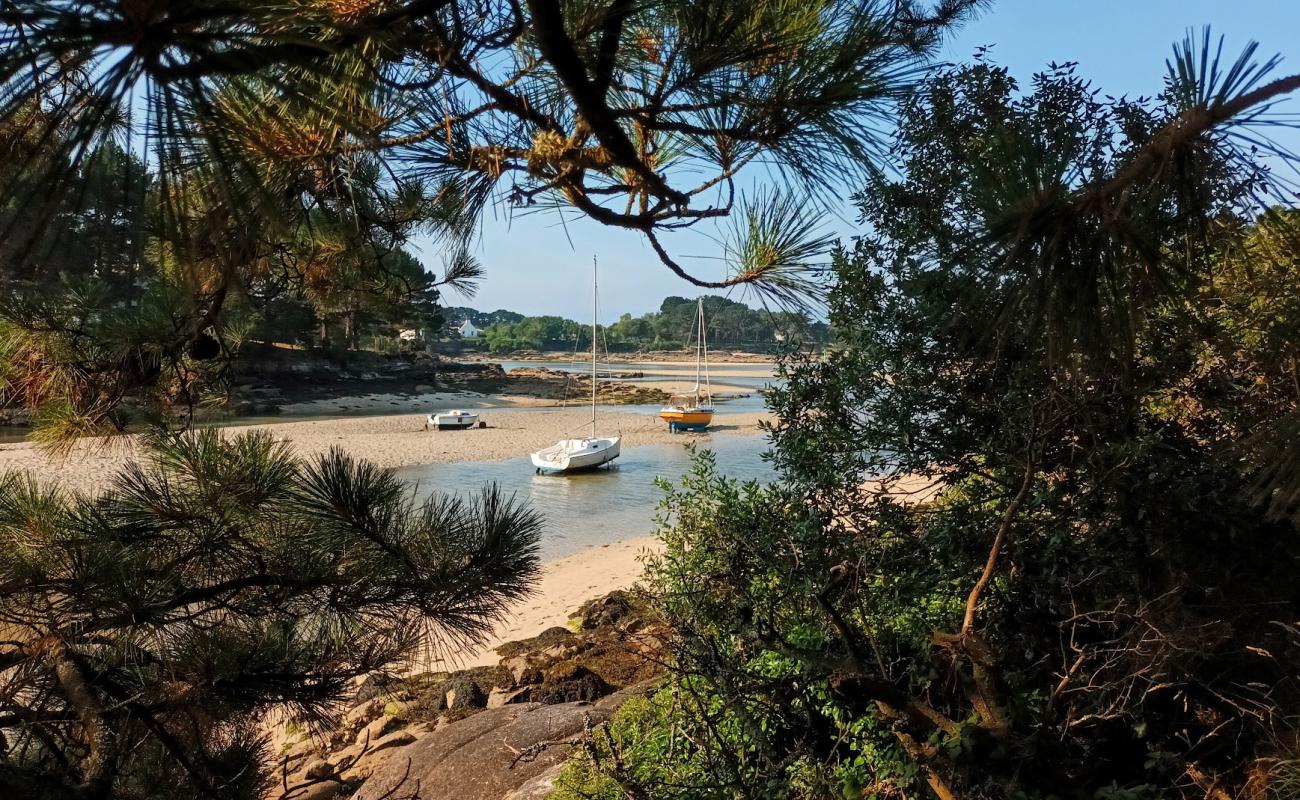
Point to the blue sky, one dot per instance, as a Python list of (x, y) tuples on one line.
[(538, 265)]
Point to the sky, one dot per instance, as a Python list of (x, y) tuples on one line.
[(539, 264)]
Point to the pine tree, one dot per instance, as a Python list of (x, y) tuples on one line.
[(149, 630)]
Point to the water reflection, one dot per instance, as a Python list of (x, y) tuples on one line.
[(599, 507)]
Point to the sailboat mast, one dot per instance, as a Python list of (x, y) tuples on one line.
[(594, 289), (704, 348), (699, 340)]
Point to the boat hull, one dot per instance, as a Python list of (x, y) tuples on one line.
[(576, 455), (687, 419), (453, 422)]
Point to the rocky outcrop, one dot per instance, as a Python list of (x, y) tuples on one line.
[(488, 732), (270, 376), (576, 387), (493, 754)]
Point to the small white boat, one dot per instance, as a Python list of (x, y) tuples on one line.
[(453, 420), (574, 455)]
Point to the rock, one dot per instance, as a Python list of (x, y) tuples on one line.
[(568, 682), (530, 676), (518, 666), (560, 651), (547, 638), (374, 686), (357, 716), (396, 739), (376, 730), (538, 787), (325, 790), (302, 749), (370, 763), (503, 697), (606, 611), (477, 758), (463, 692), (320, 768)]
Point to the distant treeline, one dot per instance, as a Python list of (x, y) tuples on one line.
[(730, 325)]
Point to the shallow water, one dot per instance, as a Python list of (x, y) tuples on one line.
[(599, 507)]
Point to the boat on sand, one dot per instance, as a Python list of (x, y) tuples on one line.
[(452, 420), (693, 411)]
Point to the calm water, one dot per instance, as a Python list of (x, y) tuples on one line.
[(601, 507)]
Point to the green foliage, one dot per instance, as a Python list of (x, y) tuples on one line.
[(730, 324), (537, 333), (149, 629), (108, 316), (1010, 555), (643, 744)]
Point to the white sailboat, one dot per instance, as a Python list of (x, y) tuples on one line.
[(573, 455)]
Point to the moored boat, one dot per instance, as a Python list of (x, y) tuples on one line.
[(575, 455), (693, 412), (683, 414), (453, 420)]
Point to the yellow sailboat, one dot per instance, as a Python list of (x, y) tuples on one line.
[(693, 412)]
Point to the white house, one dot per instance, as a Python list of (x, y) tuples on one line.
[(468, 331)]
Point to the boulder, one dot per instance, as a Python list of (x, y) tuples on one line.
[(569, 682), (503, 697), (377, 730), (374, 686), (548, 638), (606, 611), (490, 754), (359, 716), (300, 751), (366, 765), (538, 787), (518, 667), (395, 739), (320, 768), (463, 693), (325, 790)]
